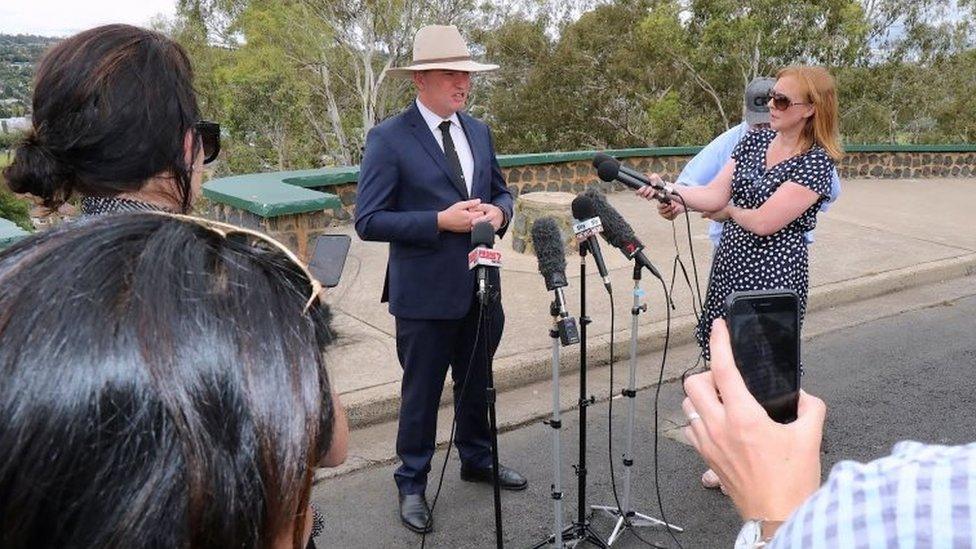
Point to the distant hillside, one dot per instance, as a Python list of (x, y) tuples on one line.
[(18, 55)]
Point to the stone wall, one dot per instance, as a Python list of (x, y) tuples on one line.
[(297, 231), (576, 176), (905, 165), (573, 173)]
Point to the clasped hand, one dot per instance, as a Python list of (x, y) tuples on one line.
[(462, 216)]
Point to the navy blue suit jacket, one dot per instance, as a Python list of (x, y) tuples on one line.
[(404, 180)]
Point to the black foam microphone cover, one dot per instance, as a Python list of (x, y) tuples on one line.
[(550, 251), (608, 171), (583, 208), (619, 233), (600, 158), (616, 230), (483, 234)]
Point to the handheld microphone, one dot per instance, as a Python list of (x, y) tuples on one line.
[(482, 256), (586, 229), (601, 158), (611, 170), (549, 250), (618, 232)]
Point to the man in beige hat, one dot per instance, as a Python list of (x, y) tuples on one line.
[(428, 175)]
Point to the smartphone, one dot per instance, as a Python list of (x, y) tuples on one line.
[(329, 258), (764, 326)]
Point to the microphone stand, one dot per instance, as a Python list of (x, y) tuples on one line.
[(627, 517), (487, 297), (555, 423), (580, 530)]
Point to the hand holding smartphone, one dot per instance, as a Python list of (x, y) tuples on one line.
[(764, 326)]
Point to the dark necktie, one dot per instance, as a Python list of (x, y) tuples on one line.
[(452, 157)]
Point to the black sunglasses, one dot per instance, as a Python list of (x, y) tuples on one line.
[(781, 102), (209, 134)]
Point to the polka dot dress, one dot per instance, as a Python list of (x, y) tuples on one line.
[(746, 261)]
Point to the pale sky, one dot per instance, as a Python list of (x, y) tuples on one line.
[(67, 17)]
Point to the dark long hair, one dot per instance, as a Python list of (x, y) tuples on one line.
[(159, 387), (111, 109)]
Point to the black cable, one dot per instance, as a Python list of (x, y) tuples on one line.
[(691, 249), (690, 369), (684, 271), (613, 479), (674, 276), (694, 265), (657, 424), (450, 440)]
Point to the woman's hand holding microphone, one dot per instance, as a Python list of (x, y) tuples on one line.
[(670, 208), (666, 207)]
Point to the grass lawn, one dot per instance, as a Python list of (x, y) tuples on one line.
[(4, 160)]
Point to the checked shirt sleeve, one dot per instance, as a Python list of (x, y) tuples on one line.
[(920, 496)]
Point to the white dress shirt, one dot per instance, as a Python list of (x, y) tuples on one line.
[(461, 145)]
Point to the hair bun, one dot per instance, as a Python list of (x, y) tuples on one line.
[(36, 171)]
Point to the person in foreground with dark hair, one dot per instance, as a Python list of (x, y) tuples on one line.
[(919, 496), (115, 119), (162, 384)]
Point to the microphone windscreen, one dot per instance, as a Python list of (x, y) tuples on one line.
[(608, 169), (550, 251), (600, 158), (483, 234), (582, 208), (616, 230)]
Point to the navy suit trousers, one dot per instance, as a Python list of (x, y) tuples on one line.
[(426, 349)]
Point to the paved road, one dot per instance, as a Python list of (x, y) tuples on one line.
[(905, 376)]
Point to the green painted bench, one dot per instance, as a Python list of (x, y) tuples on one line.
[(269, 194), (10, 233)]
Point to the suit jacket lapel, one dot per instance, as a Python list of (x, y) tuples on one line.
[(480, 162), (423, 134)]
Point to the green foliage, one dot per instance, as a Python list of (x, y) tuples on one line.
[(298, 83), (13, 208), (18, 55), (9, 141), (726, 43)]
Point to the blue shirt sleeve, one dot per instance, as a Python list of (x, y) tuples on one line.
[(704, 166), (834, 191)]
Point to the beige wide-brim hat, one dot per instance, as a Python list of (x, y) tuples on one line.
[(441, 47)]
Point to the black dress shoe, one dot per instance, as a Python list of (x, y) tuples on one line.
[(415, 514), (508, 479)]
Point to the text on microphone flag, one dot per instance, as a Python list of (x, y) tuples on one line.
[(587, 228), (485, 257)]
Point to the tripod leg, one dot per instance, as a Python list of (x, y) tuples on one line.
[(617, 530), (641, 519)]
